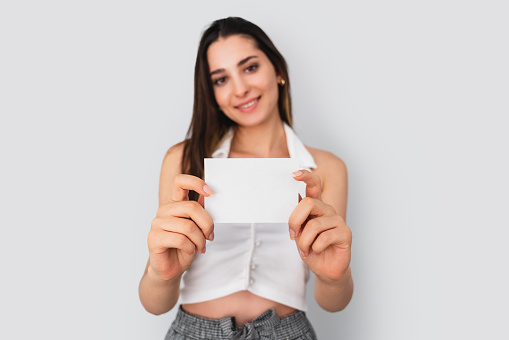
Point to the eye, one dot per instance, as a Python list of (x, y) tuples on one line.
[(219, 81), (252, 68)]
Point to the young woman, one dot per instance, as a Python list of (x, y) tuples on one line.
[(248, 280)]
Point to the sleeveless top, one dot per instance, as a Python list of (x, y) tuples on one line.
[(257, 257)]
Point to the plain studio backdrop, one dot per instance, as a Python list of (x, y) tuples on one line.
[(412, 95)]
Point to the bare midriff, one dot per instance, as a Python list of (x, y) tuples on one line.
[(244, 306)]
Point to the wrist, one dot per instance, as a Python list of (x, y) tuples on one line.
[(156, 279), (345, 277)]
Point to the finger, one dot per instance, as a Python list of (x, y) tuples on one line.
[(313, 229), (313, 183), (185, 227), (194, 211), (201, 200), (159, 241), (341, 236), (183, 183), (308, 207)]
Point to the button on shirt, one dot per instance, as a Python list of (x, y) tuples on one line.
[(257, 257)]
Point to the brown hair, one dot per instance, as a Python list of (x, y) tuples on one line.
[(208, 123)]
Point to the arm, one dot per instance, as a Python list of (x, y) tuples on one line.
[(320, 232), (156, 295), (335, 295), (178, 231)]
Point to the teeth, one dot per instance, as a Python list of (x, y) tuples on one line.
[(251, 103)]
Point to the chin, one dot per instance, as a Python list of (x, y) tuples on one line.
[(251, 122)]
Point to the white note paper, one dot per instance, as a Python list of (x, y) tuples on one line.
[(251, 190)]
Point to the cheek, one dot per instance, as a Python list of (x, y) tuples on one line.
[(272, 88), (269, 82), (221, 97)]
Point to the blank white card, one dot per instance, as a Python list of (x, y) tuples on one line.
[(251, 190)]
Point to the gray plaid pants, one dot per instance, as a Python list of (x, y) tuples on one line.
[(267, 326)]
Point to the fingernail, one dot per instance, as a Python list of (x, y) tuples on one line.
[(292, 234), (208, 190), (203, 250), (302, 253), (211, 236), (297, 173)]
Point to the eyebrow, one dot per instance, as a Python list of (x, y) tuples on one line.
[(240, 63)]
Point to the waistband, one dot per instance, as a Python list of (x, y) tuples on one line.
[(266, 326)]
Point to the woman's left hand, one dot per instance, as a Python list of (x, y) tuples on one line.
[(321, 235)]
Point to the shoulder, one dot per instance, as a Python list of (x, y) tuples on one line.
[(171, 167), (334, 179), (173, 156), (327, 162)]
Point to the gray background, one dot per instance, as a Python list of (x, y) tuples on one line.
[(412, 95)]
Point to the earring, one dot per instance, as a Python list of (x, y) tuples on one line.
[(282, 82)]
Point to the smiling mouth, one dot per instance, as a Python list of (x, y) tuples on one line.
[(247, 105)]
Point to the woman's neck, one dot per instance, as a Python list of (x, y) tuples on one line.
[(267, 140)]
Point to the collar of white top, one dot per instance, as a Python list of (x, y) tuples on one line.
[(295, 148)]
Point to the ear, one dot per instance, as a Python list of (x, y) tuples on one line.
[(280, 81)]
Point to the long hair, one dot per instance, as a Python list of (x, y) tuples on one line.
[(208, 123)]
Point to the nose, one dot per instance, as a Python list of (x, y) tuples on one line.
[(240, 87)]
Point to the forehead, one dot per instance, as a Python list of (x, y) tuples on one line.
[(227, 52)]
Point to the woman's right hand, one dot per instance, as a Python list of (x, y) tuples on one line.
[(180, 229)]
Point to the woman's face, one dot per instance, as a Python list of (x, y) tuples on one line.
[(244, 80)]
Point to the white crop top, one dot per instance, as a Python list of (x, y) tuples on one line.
[(260, 258)]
